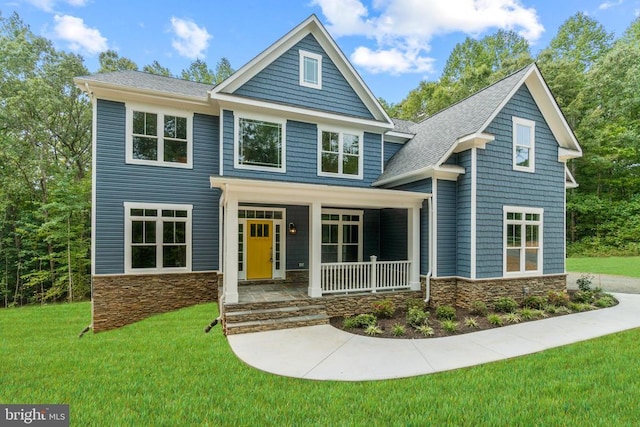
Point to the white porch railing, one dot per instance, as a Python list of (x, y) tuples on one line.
[(344, 277)]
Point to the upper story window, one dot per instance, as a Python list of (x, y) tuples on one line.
[(524, 132), (522, 240), (310, 69), (340, 153), (159, 136), (260, 143), (158, 237)]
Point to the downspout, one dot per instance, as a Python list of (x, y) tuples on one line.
[(427, 290)]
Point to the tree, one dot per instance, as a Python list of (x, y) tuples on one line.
[(223, 70), (110, 61), (156, 68), (199, 71)]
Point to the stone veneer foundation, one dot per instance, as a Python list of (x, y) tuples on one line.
[(462, 292), (124, 299)]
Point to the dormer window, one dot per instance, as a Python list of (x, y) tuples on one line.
[(310, 70)]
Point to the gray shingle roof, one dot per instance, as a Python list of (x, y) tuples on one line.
[(404, 126), (141, 80), (435, 135)]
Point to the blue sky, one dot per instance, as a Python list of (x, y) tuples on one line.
[(394, 44)]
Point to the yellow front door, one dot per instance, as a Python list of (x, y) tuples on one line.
[(259, 249)]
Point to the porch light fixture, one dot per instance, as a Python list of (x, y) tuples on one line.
[(292, 228)]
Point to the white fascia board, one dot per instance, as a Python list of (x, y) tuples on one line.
[(257, 191), (444, 172), (570, 181), (121, 93), (398, 137), (475, 140), (565, 154), (233, 102)]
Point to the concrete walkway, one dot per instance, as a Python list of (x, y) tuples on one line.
[(326, 353), (608, 282)]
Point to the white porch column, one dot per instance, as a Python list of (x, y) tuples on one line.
[(315, 249), (231, 251), (413, 246)]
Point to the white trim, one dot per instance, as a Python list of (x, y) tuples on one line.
[(518, 121), (431, 241), (303, 54), (540, 223), (434, 192), (564, 229), (570, 181), (398, 137), (128, 269), (381, 154), (275, 273), (474, 140), (443, 172), (161, 112), (474, 210), (221, 142), (340, 223), (341, 132), (237, 116)]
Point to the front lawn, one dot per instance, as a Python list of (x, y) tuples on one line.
[(622, 266), (166, 371)]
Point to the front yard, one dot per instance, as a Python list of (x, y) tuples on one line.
[(621, 266), (166, 371)]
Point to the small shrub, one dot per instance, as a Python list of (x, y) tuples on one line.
[(604, 301), (445, 312), (495, 319), (449, 325), (478, 308), (512, 318), (471, 322), (558, 298), (551, 309), (535, 301), (585, 282), (505, 305), (417, 317), (580, 307), (585, 297), (425, 330), (562, 310), (398, 330), (539, 314), (364, 320), (349, 323), (373, 330), (526, 313), (415, 303), (384, 308)]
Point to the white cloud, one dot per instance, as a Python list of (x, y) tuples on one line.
[(609, 4), (403, 29), (80, 37), (49, 5), (191, 41)]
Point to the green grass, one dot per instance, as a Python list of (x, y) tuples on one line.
[(623, 266), (166, 371)]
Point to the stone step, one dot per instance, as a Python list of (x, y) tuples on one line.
[(274, 324), (264, 305), (272, 313)]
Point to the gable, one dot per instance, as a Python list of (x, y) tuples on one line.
[(279, 82)]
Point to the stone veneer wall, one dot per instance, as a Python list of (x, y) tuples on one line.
[(349, 305), (124, 299), (462, 292)]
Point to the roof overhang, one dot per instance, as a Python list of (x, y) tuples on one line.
[(121, 93), (311, 25), (257, 191), (444, 172), (565, 154), (398, 137), (569, 180), (475, 140)]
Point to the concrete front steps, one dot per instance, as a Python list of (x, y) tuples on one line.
[(269, 316)]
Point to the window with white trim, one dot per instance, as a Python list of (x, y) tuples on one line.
[(340, 153), (522, 240), (158, 136), (341, 236), (157, 237), (524, 132), (310, 69), (260, 143)]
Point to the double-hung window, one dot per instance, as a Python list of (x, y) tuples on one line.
[(522, 240), (341, 235), (260, 143), (310, 69), (340, 153), (157, 237), (524, 132), (159, 136)]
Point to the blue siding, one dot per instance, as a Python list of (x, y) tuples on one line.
[(390, 149), (422, 186), (280, 82), (542, 189), (302, 156), (393, 234), (370, 234), (118, 182), (463, 216), (298, 244), (446, 223)]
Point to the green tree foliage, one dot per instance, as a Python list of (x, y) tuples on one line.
[(199, 71), (110, 61), (156, 68), (45, 154)]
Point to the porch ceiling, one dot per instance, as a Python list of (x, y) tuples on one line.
[(257, 191)]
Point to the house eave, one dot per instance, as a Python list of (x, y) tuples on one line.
[(474, 140), (444, 172), (258, 191), (565, 154)]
